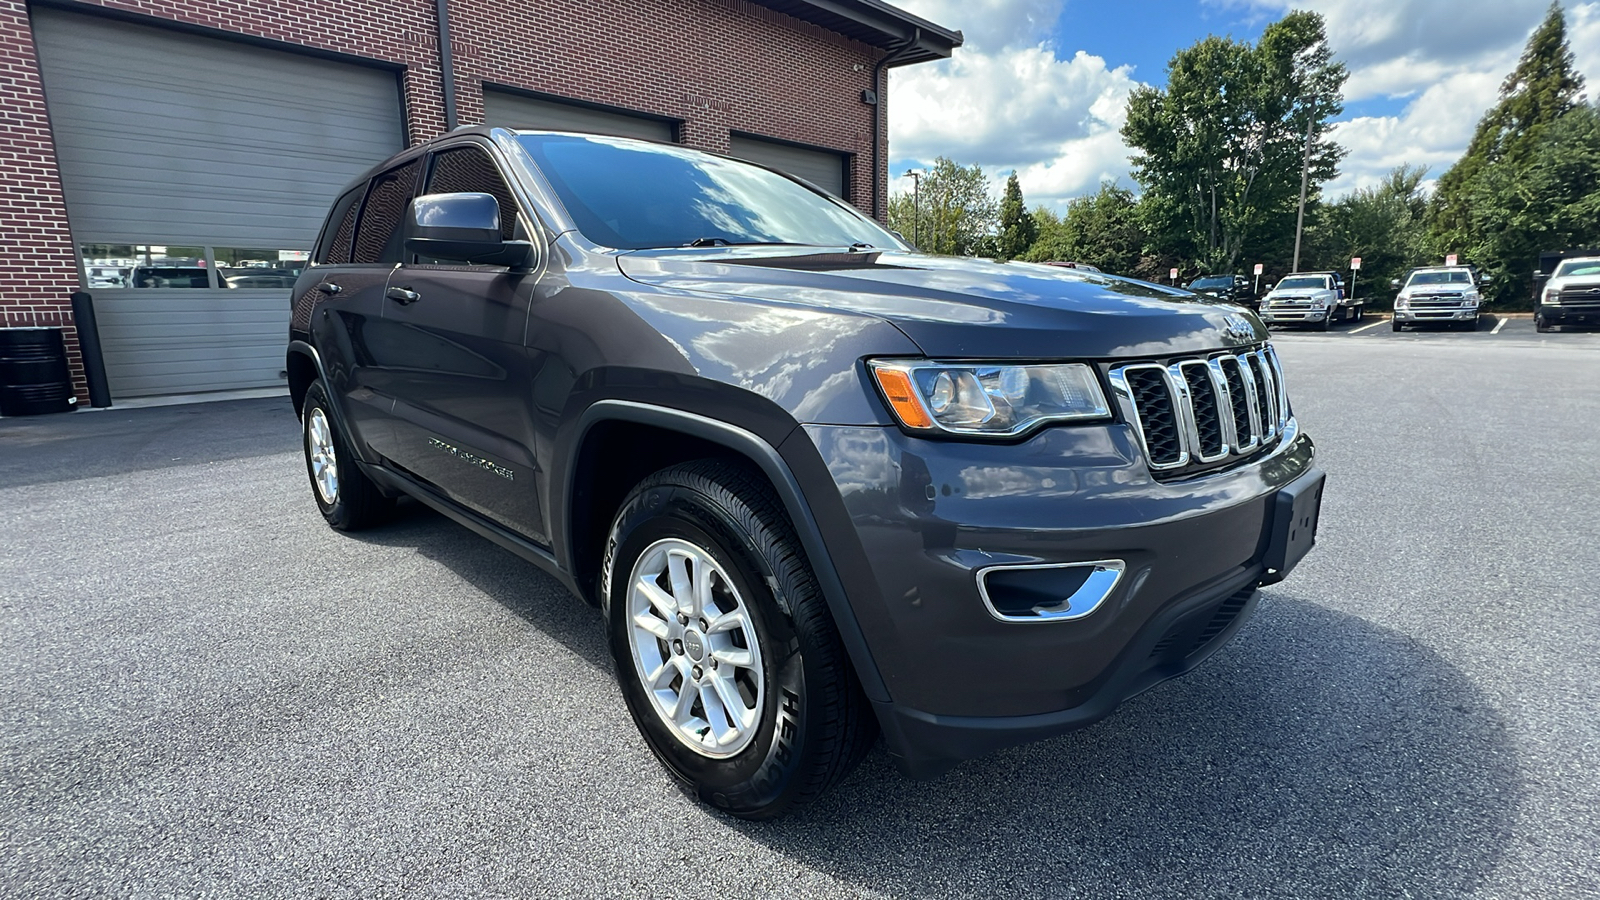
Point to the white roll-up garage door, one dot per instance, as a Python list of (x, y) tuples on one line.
[(511, 110), (823, 168), (197, 172)]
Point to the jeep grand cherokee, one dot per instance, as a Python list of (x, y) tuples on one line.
[(819, 485)]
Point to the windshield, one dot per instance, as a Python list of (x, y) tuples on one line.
[(633, 196), (1454, 276), (1579, 267), (1303, 281), (1212, 281)]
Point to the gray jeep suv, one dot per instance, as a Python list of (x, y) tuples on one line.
[(820, 486)]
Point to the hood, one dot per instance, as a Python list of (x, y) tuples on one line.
[(962, 308)]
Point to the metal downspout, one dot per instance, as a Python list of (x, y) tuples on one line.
[(447, 68), (877, 117)]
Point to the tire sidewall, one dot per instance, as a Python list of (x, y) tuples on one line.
[(760, 775)]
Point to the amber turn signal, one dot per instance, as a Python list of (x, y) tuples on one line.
[(902, 397)]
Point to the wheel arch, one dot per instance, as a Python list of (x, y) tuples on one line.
[(636, 439)]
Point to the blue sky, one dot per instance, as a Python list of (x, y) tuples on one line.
[(1041, 85)]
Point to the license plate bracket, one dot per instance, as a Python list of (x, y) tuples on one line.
[(1296, 510)]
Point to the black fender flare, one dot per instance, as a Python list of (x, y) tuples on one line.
[(304, 349), (772, 464)]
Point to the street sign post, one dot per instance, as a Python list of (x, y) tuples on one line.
[(1450, 260), (1355, 266), (1173, 274), (1259, 267)]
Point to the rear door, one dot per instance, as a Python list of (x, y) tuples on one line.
[(461, 411)]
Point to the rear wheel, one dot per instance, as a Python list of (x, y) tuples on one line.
[(724, 648), (348, 500)]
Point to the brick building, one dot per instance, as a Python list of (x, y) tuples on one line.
[(175, 157)]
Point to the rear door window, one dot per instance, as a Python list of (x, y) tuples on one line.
[(334, 249), (378, 235)]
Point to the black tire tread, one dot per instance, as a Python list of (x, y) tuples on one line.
[(847, 727)]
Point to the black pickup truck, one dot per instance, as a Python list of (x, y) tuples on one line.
[(820, 486)]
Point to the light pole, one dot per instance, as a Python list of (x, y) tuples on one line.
[(1305, 171), (916, 207)]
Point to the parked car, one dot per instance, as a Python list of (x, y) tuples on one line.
[(1310, 298), (1570, 296), (1235, 289), (1439, 295), (819, 485)]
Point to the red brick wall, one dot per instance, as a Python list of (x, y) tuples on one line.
[(718, 65)]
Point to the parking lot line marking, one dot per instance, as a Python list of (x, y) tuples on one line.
[(1499, 325), (1365, 327)]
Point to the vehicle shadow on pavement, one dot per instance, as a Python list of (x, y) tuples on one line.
[(509, 580), (1318, 755)]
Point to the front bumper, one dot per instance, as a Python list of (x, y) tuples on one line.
[(1292, 315), (1424, 316), (930, 515), (1569, 315)]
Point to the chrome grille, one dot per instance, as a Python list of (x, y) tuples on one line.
[(1584, 297), (1198, 412)]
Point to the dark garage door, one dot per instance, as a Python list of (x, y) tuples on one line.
[(509, 110), (823, 168), (200, 169)]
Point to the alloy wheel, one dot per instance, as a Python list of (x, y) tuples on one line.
[(694, 648)]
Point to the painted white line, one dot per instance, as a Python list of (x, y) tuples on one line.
[(1365, 327), (1499, 325)]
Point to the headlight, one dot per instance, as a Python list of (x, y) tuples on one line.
[(988, 399), (1469, 300), (1552, 296), (1319, 302), (1402, 301)]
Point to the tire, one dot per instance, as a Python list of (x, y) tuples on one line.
[(1541, 326), (1395, 325), (806, 724), (348, 499), (1327, 321), (1359, 313)]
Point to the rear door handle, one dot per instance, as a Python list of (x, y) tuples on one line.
[(328, 287), (403, 296)]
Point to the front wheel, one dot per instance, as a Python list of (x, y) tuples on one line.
[(724, 648), (1394, 324), (1541, 326)]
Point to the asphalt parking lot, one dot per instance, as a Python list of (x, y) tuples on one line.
[(208, 692)]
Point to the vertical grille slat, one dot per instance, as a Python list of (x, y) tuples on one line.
[(1158, 416), (1193, 414)]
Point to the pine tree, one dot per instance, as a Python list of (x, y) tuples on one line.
[(1544, 87), (1018, 230)]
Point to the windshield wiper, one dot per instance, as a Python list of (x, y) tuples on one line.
[(724, 242)]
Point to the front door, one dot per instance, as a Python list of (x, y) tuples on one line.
[(462, 413)]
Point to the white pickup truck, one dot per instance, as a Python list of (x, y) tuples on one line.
[(1309, 298)]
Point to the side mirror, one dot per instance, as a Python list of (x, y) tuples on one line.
[(461, 228), (1394, 282), (1486, 279), (1539, 276)]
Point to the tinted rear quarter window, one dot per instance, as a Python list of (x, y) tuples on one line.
[(340, 228), (378, 235)]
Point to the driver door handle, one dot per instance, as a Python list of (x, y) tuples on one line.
[(403, 296), (328, 287)]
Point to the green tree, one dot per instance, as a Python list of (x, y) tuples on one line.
[(1103, 229), (1220, 148), (953, 212), (1549, 200), (1017, 229), (1385, 225), (1542, 91)]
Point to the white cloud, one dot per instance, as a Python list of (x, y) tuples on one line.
[(1006, 102), (1433, 131)]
